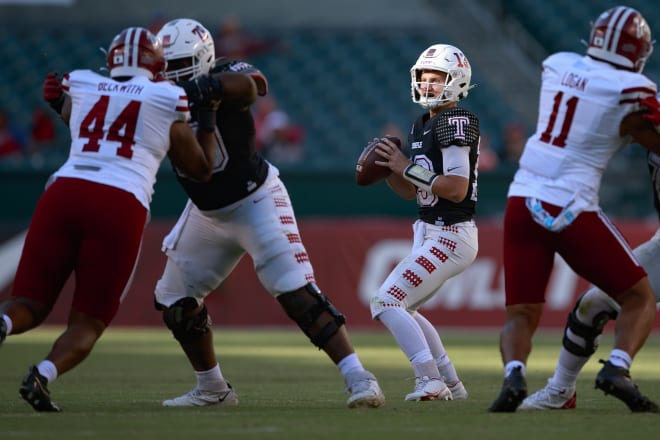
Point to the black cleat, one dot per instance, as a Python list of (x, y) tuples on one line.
[(617, 382), (514, 391), (33, 390)]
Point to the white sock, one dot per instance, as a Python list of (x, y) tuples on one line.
[(567, 370), (445, 366), (211, 380), (620, 358), (407, 333), (513, 364), (427, 368), (8, 323), (350, 363), (48, 370)]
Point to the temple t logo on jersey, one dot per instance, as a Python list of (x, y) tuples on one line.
[(460, 122)]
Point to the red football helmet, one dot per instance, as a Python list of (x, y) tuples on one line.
[(621, 36), (136, 52)]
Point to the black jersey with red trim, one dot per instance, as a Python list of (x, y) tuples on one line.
[(239, 169), (455, 126)]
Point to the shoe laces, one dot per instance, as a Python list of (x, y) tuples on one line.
[(361, 382)]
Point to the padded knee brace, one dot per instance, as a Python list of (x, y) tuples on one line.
[(307, 308), (589, 333), (186, 319)]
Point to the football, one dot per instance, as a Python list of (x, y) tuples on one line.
[(366, 170)]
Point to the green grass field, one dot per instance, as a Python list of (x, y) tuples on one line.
[(290, 390)]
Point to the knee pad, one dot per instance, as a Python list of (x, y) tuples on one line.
[(186, 319), (589, 333), (313, 312)]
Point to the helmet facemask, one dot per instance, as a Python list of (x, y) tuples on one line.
[(447, 59), (451, 90), (183, 69)]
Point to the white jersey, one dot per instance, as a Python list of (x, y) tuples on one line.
[(582, 104), (120, 131)]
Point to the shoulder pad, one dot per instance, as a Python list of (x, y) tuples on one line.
[(229, 65), (456, 126), (238, 66)]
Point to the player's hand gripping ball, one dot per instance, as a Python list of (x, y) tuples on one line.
[(366, 170)]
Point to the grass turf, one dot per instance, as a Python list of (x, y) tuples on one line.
[(290, 390)]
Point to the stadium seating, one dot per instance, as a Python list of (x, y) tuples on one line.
[(562, 24), (342, 86)]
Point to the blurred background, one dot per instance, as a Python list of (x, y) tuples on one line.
[(338, 74)]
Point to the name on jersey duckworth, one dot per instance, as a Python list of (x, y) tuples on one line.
[(574, 81), (130, 89)]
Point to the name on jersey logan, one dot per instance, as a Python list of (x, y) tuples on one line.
[(574, 81)]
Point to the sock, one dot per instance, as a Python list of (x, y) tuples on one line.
[(407, 333), (48, 370), (350, 363), (567, 370), (427, 368), (620, 358), (211, 380), (445, 366), (513, 364), (447, 370), (8, 323)]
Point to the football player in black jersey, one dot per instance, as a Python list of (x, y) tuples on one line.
[(441, 173), (244, 208)]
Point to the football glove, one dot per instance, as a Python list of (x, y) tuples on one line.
[(53, 92), (204, 92)]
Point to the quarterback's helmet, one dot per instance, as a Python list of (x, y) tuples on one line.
[(188, 48), (443, 58), (621, 36), (135, 52)]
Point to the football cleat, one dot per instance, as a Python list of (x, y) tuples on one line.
[(617, 382), (514, 391), (427, 388), (458, 391), (550, 397), (364, 389), (3, 330), (197, 397), (34, 391)]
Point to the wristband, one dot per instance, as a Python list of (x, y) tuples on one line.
[(420, 177), (206, 120)]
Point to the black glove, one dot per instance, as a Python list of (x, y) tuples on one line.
[(204, 92)]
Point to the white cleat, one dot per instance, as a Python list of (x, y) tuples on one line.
[(550, 397), (427, 388), (364, 389), (458, 391), (197, 397)]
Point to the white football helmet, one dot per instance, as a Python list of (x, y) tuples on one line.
[(188, 47), (443, 58)]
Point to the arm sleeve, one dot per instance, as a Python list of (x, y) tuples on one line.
[(456, 161)]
